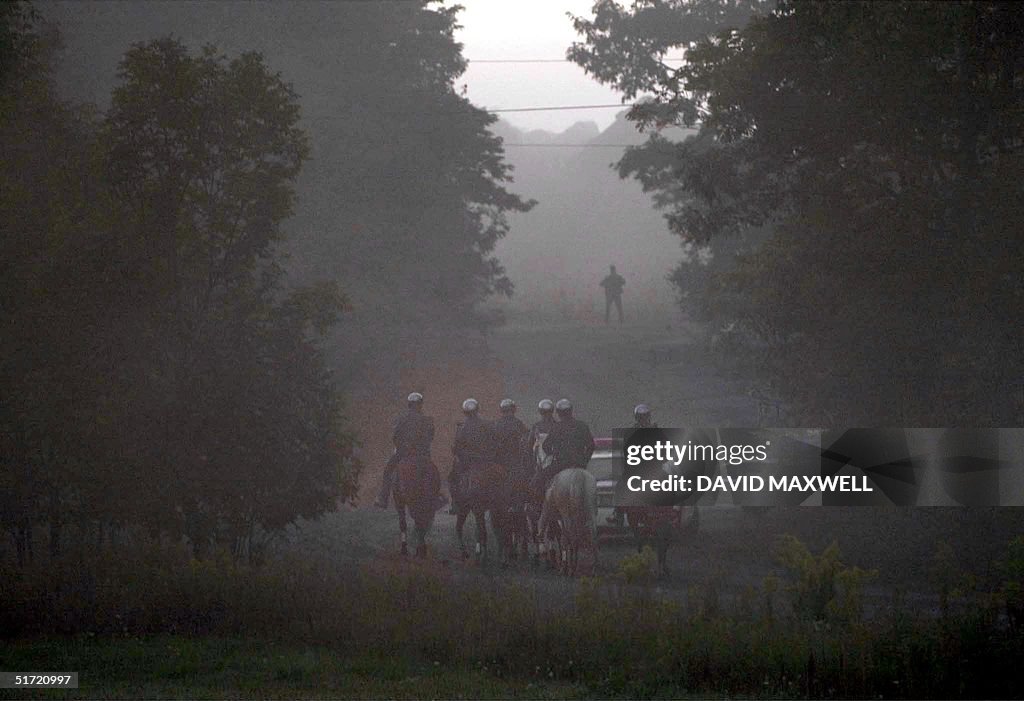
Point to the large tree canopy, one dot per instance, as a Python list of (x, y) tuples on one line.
[(877, 147), (407, 188), (154, 369)]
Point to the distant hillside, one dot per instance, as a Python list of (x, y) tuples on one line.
[(586, 219)]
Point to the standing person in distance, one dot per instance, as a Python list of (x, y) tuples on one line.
[(612, 284)]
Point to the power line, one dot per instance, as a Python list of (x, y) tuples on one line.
[(573, 145), (621, 105), (541, 60), (517, 60)]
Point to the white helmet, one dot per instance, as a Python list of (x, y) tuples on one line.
[(563, 406), (641, 410), (545, 406), (414, 398), (507, 405), (470, 406)]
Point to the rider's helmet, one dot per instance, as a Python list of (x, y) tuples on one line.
[(545, 407), (470, 406), (642, 413), (508, 406), (563, 407), (414, 398)]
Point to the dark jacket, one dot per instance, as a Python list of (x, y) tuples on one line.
[(413, 435), (539, 429), (508, 433), (474, 442), (613, 285), (570, 443)]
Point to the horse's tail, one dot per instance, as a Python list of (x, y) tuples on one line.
[(588, 509), (583, 503), (544, 520)]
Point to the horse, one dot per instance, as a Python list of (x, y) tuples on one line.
[(520, 518), (659, 526), (415, 492), (571, 502), (531, 497), (483, 488)]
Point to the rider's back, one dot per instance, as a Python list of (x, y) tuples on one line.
[(571, 443), (413, 434), (509, 432), (474, 441)]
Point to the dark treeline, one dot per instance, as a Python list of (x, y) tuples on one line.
[(858, 175), (164, 363)]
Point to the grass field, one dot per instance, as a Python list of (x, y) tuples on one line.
[(215, 668), (154, 623)]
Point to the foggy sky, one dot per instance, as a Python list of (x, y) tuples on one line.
[(529, 29)]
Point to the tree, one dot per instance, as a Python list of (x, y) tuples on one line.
[(158, 371), (407, 191), (202, 152), (873, 141)]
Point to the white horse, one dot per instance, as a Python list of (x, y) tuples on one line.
[(571, 502)]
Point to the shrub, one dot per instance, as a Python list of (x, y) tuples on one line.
[(824, 588)]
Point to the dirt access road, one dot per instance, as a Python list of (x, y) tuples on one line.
[(607, 370)]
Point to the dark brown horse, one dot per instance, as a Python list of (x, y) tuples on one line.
[(483, 489), (520, 518), (415, 492)]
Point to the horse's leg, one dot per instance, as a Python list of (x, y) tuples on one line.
[(508, 538), (460, 522), (514, 537), (524, 532), (664, 540), (421, 536), (546, 524), (502, 524), (539, 539), (563, 546), (481, 534), (555, 542), (574, 546), (402, 525)]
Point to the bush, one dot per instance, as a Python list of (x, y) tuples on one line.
[(824, 588)]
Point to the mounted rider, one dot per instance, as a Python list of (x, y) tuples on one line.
[(641, 419), (570, 443), (534, 442), (412, 437), (509, 432), (474, 444)]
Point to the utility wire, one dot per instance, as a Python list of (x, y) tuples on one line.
[(621, 105), (540, 60), (506, 143)]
